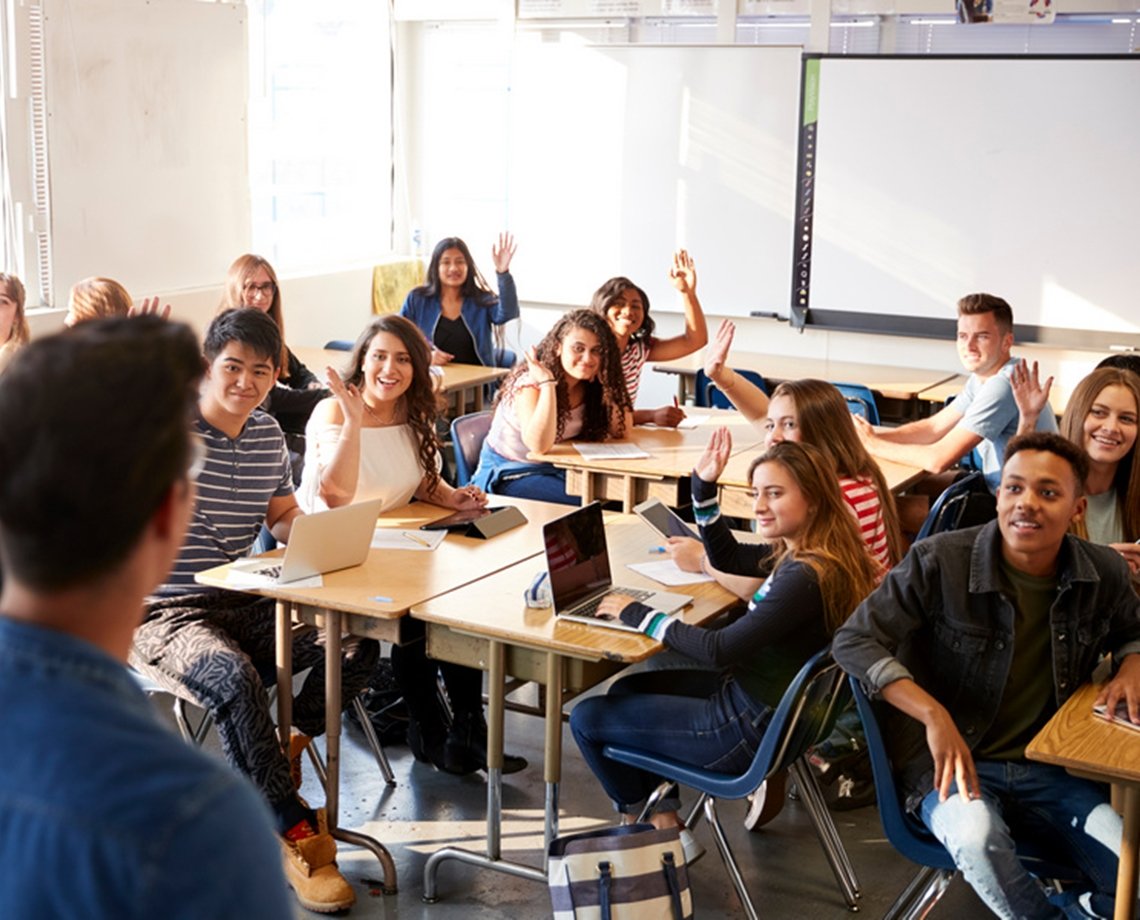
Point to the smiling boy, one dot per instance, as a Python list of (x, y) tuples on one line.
[(210, 646), (976, 638)]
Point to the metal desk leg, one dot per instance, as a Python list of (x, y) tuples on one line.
[(1126, 875), (552, 757), (496, 698), (284, 635), (332, 753)]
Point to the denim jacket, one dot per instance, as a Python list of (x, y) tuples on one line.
[(425, 312), (940, 618)]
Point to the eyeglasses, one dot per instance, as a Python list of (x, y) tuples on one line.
[(197, 457), (265, 290)]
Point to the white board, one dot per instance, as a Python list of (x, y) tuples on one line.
[(147, 140), (1017, 176)]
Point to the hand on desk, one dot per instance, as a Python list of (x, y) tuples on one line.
[(1124, 686), (686, 553), (466, 497), (864, 429), (668, 416)]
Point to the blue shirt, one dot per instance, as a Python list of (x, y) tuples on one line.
[(990, 411), (107, 814), (425, 312)]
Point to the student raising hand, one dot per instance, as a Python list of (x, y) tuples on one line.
[(712, 462), (349, 397), (683, 272), (502, 252)]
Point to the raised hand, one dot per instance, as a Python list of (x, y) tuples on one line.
[(1031, 396), (716, 355), (502, 252), (712, 462), (347, 395), (535, 370), (683, 273), (150, 307)]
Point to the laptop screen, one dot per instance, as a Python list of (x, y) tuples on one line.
[(576, 556)]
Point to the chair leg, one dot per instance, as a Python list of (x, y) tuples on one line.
[(374, 741), (729, 860), (654, 797), (828, 835), (696, 811), (920, 896)]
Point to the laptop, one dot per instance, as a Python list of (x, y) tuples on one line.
[(578, 563), (322, 542)]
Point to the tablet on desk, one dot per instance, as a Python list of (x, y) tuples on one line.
[(664, 519), (457, 520), (481, 523)]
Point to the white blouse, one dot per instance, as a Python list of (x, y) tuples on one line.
[(389, 464)]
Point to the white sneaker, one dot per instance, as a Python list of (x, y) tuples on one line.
[(690, 847)]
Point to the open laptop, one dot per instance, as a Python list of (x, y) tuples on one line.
[(578, 563), (321, 542)]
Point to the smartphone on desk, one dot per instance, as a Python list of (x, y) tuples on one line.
[(1121, 718), (457, 520), (664, 519)]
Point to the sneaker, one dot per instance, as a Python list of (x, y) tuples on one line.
[(690, 847), (767, 801), (309, 858)]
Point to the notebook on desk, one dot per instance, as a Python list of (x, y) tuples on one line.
[(578, 562), (322, 542)]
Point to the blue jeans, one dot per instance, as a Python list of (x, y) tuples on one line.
[(702, 718), (498, 475), (1029, 800)]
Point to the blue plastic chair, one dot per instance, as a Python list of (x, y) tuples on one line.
[(338, 345), (912, 839), (803, 718), (949, 510), (709, 396), (467, 435), (860, 400)]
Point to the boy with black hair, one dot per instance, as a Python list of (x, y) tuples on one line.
[(107, 814), (975, 639), (207, 646)]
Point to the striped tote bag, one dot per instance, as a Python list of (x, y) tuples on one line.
[(631, 872)]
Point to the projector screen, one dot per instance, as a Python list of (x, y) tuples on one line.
[(935, 177)]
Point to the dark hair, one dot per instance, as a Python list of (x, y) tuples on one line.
[(250, 328), (1128, 362), (609, 292), (96, 424), (976, 304), (1048, 442), (474, 286), (606, 397), (419, 402), (1126, 480)]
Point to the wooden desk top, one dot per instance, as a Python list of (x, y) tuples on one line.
[(672, 451), (1079, 741), (892, 382), (412, 576), (455, 376), (493, 607)]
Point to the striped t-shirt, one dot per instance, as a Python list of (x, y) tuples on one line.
[(632, 361), (239, 478), (863, 498)]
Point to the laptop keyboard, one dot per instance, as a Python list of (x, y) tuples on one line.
[(590, 608)]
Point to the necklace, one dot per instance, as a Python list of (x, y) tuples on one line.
[(383, 423)]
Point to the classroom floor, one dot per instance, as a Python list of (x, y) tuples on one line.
[(784, 865)]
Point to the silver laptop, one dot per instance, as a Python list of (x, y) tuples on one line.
[(578, 563), (322, 542)]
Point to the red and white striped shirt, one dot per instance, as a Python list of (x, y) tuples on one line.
[(863, 499)]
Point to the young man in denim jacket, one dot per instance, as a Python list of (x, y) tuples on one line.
[(976, 638)]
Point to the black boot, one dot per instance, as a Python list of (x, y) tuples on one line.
[(466, 748), (427, 746)]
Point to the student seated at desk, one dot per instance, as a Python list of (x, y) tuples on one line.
[(455, 309), (570, 387), (375, 438), (107, 814), (251, 283), (1101, 418), (206, 646), (626, 308), (815, 570), (975, 639), (14, 333)]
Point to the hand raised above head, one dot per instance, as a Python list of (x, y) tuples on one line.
[(716, 354), (150, 307), (1031, 396), (502, 252), (712, 462), (683, 273)]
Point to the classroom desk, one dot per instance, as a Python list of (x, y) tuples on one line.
[(1087, 746), (897, 383), (673, 452), (486, 625), (463, 382), (350, 601)]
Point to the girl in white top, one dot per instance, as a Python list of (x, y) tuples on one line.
[(13, 324), (1102, 418), (375, 436), (626, 308)]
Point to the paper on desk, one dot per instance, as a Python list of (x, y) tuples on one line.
[(400, 538), (692, 421), (666, 572), (614, 450), (238, 577)]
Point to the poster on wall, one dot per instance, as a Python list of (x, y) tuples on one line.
[(1028, 12)]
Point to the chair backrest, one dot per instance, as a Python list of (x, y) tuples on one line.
[(338, 345), (860, 400), (709, 395), (949, 511), (467, 435)]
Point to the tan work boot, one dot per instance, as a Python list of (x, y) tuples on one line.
[(312, 873)]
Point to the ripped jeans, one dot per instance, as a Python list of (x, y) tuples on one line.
[(1028, 800)]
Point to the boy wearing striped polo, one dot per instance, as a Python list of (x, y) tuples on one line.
[(207, 646)]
